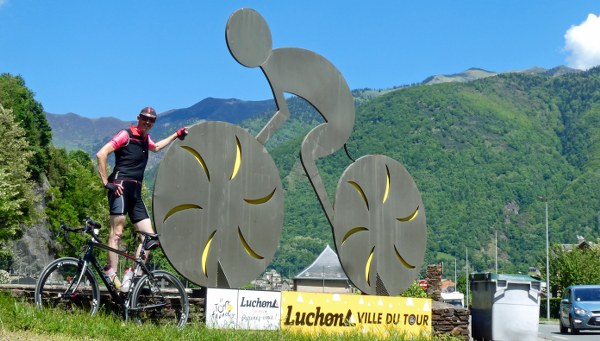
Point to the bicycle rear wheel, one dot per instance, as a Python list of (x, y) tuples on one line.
[(160, 299), (57, 287)]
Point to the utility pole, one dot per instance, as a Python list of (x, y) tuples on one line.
[(547, 269), (455, 280), (545, 200), (467, 275)]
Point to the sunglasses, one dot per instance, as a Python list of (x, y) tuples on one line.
[(145, 118)]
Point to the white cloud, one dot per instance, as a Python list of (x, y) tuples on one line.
[(583, 43), (3, 2)]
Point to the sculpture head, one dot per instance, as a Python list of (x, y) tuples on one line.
[(248, 37)]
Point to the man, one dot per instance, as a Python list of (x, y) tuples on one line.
[(124, 184)]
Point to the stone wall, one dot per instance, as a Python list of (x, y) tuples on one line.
[(434, 278), (450, 320), (445, 318)]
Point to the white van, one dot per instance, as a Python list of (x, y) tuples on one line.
[(455, 298)]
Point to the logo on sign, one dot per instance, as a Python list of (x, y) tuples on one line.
[(258, 303), (318, 318), (222, 309)]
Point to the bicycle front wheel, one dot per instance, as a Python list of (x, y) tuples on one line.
[(160, 298), (61, 285)]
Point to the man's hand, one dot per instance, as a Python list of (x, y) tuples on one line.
[(116, 188), (181, 133)]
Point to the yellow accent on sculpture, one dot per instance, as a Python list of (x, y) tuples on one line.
[(387, 184), (261, 200), (205, 253), (405, 263), (353, 231), (247, 247), (180, 208), (238, 158), (199, 159), (360, 191), (410, 217), (368, 266)]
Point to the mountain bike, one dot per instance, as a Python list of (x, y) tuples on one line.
[(70, 284)]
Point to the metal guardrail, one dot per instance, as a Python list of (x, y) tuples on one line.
[(27, 291)]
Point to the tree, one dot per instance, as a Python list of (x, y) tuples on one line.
[(576, 266), (414, 290), (75, 191), (16, 191), (29, 114)]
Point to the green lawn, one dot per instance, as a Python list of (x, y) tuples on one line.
[(20, 320)]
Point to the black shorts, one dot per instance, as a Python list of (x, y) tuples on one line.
[(130, 202)]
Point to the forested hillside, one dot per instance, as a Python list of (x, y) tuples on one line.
[(481, 152)]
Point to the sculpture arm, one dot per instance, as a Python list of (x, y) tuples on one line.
[(276, 121)]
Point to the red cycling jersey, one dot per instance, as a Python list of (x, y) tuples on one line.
[(122, 138)]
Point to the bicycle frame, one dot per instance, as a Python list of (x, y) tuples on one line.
[(90, 258)]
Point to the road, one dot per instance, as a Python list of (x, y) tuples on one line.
[(549, 331)]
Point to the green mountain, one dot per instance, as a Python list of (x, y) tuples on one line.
[(481, 153)]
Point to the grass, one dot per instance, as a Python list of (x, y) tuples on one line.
[(23, 321)]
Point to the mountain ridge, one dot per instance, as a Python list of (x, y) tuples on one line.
[(72, 131)]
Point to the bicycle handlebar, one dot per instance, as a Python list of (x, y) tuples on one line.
[(92, 228), (89, 227)]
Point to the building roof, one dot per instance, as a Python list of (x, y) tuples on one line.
[(581, 244), (447, 285), (326, 266)]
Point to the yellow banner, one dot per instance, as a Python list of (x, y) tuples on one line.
[(336, 313)]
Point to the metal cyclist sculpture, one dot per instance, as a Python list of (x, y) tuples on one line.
[(378, 221)]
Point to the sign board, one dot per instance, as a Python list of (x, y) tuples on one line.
[(315, 313), (221, 308), (259, 310), (243, 309), (423, 284)]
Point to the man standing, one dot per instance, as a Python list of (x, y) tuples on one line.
[(124, 184)]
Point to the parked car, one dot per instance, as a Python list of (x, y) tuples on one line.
[(580, 308)]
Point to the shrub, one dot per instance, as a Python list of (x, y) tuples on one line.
[(4, 277)]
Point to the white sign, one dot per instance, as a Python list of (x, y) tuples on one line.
[(221, 308), (243, 309), (259, 310)]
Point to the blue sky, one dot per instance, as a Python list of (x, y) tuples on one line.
[(111, 58)]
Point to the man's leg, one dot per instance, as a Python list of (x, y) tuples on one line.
[(117, 223), (144, 225)]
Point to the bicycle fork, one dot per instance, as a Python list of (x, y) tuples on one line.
[(71, 291)]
